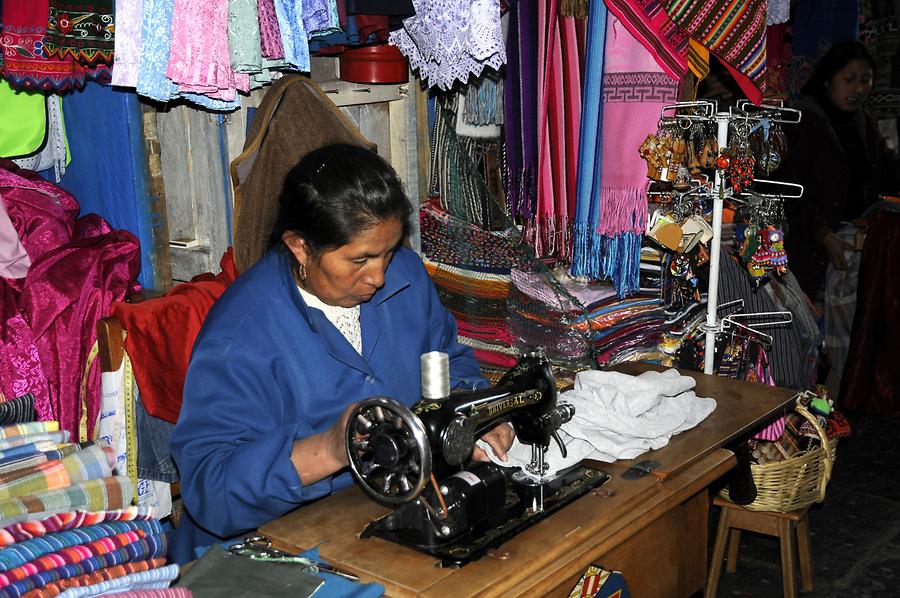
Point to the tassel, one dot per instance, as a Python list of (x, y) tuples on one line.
[(573, 8), (623, 210), (621, 262), (586, 260)]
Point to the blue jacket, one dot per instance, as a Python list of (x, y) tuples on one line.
[(267, 370)]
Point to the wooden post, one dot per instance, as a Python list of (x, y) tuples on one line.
[(159, 248)]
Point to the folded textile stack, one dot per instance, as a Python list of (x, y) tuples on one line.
[(470, 268), (478, 302), (574, 320), (506, 301), (66, 527)]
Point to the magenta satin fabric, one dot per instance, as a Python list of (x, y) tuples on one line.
[(14, 260), (79, 267)]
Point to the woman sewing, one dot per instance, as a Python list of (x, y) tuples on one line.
[(335, 312)]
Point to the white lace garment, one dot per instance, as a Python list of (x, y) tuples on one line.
[(345, 319), (448, 40)]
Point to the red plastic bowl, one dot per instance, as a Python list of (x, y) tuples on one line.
[(374, 64)]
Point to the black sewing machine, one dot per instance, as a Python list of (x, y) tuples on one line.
[(446, 505)]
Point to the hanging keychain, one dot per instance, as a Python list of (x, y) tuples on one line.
[(778, 257), (771, 147), (740, 165)]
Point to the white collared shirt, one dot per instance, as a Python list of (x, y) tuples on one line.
[(345, 319)]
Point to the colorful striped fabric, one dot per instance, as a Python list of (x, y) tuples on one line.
[(90, 464), (26, 449), (21, 553), (11, 464), (17, 463), (477, 300), (489, 286), (773, 431), (17, 410), (56, 588), (93, 495), (20, 532), (698, 59), (733, 30), (69, 555), (139, 583), (163, 593), (652, 27), (59, 437), (28, 428), (140, 549)]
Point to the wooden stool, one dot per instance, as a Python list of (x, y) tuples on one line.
[(735, 518)]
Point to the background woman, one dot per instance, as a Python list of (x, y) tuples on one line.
[(838, 155)]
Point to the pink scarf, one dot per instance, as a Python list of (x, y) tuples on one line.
[(559, 117), (635, 89)]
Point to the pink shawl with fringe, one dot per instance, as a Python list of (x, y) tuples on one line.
[(560, 58), (635, 89)]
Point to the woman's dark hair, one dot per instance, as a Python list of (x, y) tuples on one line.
[(834, 60), (336, 192)]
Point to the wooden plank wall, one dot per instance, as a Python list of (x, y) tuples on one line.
[(196, 147)]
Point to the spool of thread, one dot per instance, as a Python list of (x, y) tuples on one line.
[(435, 375)]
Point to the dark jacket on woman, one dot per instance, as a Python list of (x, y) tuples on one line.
[(843, 163)]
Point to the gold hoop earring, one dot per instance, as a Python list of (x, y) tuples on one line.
[(301, 272)]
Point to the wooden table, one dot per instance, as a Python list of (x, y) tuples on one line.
[(652, 529)]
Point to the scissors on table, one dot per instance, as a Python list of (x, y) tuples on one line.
[(260, 548)]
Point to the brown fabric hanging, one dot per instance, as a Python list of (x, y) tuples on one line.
[(294, 118)]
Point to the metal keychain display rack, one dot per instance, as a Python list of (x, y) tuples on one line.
[(707, 111)]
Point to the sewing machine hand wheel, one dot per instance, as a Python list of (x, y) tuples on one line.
[(388, 450)]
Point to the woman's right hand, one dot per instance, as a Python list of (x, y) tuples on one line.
[(336, 435), (321, 455), (835, 248)]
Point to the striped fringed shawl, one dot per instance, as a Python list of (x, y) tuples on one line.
[(559, 116), (520, 108), (634, 92), (650, 25)]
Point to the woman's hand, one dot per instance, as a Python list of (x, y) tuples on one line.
[(500, 438), (336, 435), (835, 248), (317, 457)]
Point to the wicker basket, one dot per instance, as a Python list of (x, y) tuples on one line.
[(796, 482)]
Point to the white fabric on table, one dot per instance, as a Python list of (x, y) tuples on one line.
[(619, 416)]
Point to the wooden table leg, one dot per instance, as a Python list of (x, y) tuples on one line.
[(734, 545), (804, 548), (788, 568), (715, 566)]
